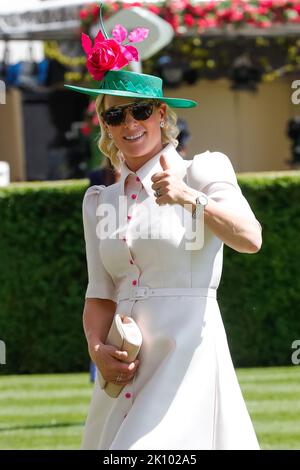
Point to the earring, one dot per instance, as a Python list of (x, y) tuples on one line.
[(162, 124), (109, 135)]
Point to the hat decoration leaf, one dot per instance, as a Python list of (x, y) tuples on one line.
[(111, 53)]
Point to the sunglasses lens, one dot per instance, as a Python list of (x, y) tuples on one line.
[(113, 117), (142, 111), (116, 116)]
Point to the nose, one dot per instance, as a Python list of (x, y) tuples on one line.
[(129, 119)]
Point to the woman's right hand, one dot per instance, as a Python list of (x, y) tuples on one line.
[(112, 363)]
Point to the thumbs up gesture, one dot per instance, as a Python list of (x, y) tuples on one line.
[(167, 186)]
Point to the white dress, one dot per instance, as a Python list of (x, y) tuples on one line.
[(185, 395)]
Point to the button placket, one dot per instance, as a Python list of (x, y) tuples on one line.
[(132, 191)]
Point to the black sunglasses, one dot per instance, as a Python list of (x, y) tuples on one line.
[(140, 111)]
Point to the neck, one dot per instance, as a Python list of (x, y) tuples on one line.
[(135, 163)]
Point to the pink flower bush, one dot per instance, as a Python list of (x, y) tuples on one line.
[(186, 15), (111, 54)]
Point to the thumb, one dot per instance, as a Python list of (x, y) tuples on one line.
[(121, 355), (164, 163)]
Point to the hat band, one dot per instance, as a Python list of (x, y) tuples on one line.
[(127, 85)]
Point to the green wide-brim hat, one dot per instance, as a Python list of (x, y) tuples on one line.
[(133, 85)]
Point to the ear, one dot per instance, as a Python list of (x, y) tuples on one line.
[(102, 121), (105, 126), (163, 111)]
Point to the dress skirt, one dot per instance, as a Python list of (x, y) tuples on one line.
[(185, 395)]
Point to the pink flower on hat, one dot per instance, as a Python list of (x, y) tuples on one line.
[(111, 54)]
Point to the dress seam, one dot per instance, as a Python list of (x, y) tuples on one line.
[(215, 397)]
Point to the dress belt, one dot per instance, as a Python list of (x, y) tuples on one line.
[(140, 293)]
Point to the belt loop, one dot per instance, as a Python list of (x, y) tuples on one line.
[(139, 293)]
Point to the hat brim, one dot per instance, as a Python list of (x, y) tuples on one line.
[(173, 102)]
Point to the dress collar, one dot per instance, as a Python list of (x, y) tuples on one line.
[(152, 166)]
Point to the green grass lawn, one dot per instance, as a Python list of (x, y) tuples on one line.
[(48, 411)]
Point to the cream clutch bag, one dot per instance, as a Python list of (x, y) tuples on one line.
[(125, 335)]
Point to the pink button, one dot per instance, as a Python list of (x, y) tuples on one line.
[(133, 196), (134, 283), (129, 217), (138, 179), (127, 395), (131, 262)]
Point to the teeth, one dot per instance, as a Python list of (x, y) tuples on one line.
[(134, 136)]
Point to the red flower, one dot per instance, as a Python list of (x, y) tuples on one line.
[(105, 55), (95, 12), (224, 14), (114, 7), (174, 20), (264, 24), (189, 20), (267, 3), (210, 6), (91, 108), (199, 11), (207, 23), (178, 5), (85, 130), (95, 120), (211, 22), (154, 9), (237, 16), (263, 10), (111, 54), (83, 14)]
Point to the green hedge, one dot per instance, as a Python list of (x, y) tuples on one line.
[(260, 294), (43, 277)]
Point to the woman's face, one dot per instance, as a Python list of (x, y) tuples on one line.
[(137, 140)]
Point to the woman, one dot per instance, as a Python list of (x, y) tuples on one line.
[(182, 392)]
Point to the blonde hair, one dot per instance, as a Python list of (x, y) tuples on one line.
[(107, 146)]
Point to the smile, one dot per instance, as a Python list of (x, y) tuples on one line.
[(134, 138)]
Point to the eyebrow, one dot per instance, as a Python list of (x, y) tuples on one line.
[(121, 106), (130, 104)]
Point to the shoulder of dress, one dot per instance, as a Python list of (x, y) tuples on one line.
[(94, 190), (113, 187), (209, 167), (211, 158), (91, 198)]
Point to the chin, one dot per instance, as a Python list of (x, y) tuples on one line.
[(139, 153), (136, 151)]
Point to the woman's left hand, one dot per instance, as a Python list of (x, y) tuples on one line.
[(171, 188), (243, 234)]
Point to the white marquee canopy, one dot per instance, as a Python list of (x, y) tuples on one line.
[(35, 21)]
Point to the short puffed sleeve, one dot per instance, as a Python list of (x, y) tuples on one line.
[(213, 174), (100, 283)]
